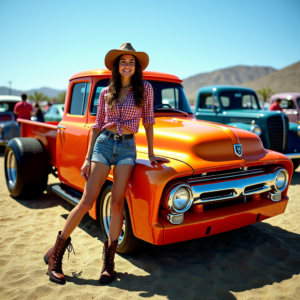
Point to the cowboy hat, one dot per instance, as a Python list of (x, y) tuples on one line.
[(125, 48)]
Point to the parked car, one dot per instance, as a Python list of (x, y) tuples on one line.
[(290, 103), (219, 177), (54, 113), (9, 127), (239, 107)]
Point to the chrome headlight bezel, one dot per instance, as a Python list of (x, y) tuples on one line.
[(172, 195), (286, 180), (298, 130), (256, 129)]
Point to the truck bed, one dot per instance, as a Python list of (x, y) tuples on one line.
[(44, 132)]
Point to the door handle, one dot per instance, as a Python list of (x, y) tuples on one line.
[(61, 127)]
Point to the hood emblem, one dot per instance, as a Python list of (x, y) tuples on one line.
[(238, 149)]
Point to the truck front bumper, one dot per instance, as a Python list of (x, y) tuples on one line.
[(206, 223)]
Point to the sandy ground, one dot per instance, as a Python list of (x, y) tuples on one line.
[(261, 261)]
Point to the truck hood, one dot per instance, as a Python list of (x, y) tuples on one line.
[(249, 113), (201, 144)]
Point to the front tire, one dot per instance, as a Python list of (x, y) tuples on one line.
[(128, 242), (26, 167)]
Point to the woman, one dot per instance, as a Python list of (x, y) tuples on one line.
[(38, 112), (120, 107)]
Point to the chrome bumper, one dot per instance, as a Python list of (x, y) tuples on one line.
[(292, 155), (215, 192)]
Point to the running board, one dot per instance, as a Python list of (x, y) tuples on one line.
[(67, 193)]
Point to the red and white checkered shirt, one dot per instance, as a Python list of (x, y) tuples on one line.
[(127, 114)]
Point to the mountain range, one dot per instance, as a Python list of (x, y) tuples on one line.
[(284, 80)]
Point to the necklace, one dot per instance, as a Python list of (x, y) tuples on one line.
[(125, 87)]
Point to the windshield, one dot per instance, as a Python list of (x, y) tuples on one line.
[(166, 95), (7, 106), (239, 100)]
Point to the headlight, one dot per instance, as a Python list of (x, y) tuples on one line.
[(298, 131), (256, 129), (180, 199), (281, 180)]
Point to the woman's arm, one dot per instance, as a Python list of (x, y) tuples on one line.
[(85, 169), (152, 157)]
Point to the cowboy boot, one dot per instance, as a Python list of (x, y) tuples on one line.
[(54, 257), (108, 273)]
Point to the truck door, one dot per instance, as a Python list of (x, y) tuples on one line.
[(72, 137), (289, 108), (208, 108)]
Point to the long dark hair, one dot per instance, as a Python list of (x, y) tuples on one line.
[(116, 84)]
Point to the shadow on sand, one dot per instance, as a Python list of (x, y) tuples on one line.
[(208, 268)]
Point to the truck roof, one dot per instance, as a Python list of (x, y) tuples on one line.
[(148, 75), (213, 88)]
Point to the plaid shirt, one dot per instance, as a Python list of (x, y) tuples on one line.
[(127, 114)]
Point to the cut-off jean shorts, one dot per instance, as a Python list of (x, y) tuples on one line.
[(114, 152)]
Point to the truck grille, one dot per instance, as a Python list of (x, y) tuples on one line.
[(278, 127)]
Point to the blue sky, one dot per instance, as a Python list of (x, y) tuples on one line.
[(44, 43)]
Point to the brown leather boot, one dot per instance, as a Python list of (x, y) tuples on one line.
[(108, 273), (54, 257)]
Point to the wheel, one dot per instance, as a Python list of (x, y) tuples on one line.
[(128, 242), (296, 163), (26, 167)]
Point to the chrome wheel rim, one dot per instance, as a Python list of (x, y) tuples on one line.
[(106, 213), (11, 169)]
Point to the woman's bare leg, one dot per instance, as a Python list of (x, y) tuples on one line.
[(122, 174), (96, 179)]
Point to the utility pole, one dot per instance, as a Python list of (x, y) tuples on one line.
[(10, 86)]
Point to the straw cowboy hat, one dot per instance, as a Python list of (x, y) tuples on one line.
[(126, 48)]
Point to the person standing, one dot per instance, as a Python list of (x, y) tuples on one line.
[(276, 105), (23, 109), (121, 105), (38, 112)]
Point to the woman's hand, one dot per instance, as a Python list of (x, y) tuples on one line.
[(157, 159), (85, 169)]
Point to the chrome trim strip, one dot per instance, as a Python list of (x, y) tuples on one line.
[(63, 194), (236, 188), (226, 175), (292, 155), (284, 137)]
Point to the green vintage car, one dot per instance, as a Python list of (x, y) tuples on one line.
[(54, 113), (239, 107)]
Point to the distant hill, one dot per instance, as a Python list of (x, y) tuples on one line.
[(232, 76), (284, 80), (51, 93)]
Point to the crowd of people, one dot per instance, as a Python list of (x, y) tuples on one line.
[(26, 110)]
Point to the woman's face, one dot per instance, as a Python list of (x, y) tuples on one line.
[(127, 65)]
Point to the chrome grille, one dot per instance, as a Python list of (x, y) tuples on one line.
[(228, 174), (278, 128)]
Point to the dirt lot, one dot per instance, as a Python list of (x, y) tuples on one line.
[(261, 261)]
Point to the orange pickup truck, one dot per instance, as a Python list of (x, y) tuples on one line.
[(219, 177)]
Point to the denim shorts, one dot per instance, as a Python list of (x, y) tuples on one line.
[(114, 152)]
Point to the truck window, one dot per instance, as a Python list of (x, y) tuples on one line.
[(80, 95), (239, 100), (287, 104), (99, 87), (206, 101), (248, 101), (170, 96)]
